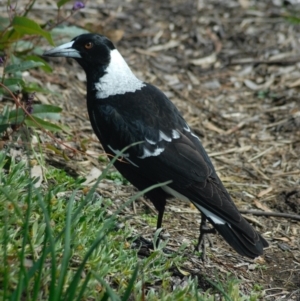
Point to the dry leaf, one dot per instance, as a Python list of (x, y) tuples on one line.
[(93, 175), (285, 239), (37, 172), (170, 44), (212, 127), (184, 273), (205, 61), (265, 191), (259, 205), (294, 84), (253, 86)]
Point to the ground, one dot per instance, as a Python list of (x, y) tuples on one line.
[(233, 69)]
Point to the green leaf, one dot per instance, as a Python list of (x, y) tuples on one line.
[(13, 81), (13, 84), (39, 111), (4, 119), (22, 66), (293, 19), (40, 123), (3, 127), (16, 116), (35, 58), (62, 2), (8, 38), (4, 23), (46, 111), (66, 32), (23, 46), (34, 87), (25, 26)]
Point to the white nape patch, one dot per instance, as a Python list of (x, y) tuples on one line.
[(150, 141), (126, 156), (148, 153), (118, 79), (207, 213), (163, 136), (175, 134)]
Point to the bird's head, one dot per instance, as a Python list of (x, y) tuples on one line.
[(89, 50), (106, 70)]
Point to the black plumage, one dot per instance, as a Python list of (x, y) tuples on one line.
[(124, 110)]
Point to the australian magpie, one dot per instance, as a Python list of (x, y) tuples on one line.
[(124, 110)]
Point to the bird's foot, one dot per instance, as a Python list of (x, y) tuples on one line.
[(204, 234), (141, 242), (145, 246)]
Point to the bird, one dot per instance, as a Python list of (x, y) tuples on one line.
[(124, 111)]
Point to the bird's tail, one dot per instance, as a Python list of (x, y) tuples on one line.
[(238, 233), (241, 242)]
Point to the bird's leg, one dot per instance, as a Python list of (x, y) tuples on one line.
[(160, 218), (204, 230), (159, 222), (150, 244)]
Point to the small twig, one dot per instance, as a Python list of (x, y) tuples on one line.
[(269, 213)]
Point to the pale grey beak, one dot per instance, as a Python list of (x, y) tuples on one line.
[(65, 50)]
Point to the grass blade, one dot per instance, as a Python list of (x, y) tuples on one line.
[(70, 293), (109, 291), (83, 287), (37, 281), (130, 284), (23, 275), (67, 249)]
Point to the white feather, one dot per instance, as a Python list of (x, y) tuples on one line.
[(118, 79), (163, 136), (150, 141), (148, 153), (207, 213), (175, 134)]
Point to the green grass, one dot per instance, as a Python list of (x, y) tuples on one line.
[(58, 245), (116, 177), (56, 176)]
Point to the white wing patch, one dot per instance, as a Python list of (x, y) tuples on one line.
[(118, 79), (148, 153), (126, 156), (187, 128), (163, 136), (150, 141), (175, 134), (194, 135), (158, 150), (210, 215)]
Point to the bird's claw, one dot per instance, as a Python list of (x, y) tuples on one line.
[(204, 231)]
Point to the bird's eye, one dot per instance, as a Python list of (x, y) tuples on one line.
[(88, 45)]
